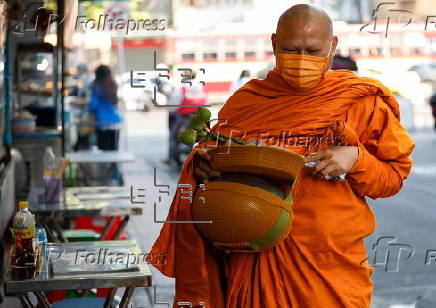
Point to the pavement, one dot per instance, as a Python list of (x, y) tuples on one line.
[(406, 269), (405, 232)]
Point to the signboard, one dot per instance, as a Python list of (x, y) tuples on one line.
[(118, 14)]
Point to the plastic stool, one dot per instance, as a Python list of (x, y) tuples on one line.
[(80, 235), (82, 302)]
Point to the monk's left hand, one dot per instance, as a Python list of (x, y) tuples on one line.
[(333, 161)]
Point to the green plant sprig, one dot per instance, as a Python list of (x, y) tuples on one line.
[(200, 130)]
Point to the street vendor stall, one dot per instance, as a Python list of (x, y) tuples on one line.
[(112, 202), (7, 181), (59, 269), (85, 159), (39, 44), (33, 119), (37, 122)]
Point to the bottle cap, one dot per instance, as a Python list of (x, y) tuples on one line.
[(23, 204), (48, 173)]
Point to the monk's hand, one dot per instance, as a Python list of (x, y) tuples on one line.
[(334, 161), (202, 168)]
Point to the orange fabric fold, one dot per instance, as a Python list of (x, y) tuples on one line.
[(321, 263)]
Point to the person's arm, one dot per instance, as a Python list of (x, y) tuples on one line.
[(94, 101), (384, 160), (115, 93)]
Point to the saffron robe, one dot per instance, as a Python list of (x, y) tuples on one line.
[(322, 263)]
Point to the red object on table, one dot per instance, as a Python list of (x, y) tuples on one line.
[(90, 222), (55, 296)]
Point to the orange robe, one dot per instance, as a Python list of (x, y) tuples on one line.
[(322, 262)]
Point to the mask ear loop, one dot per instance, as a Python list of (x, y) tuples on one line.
[(327, 60)]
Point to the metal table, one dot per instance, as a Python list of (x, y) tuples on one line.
[(110, 201), (76, 275), (95, 156), (99, 192)]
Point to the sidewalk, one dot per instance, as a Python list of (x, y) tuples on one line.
[(148, 141)]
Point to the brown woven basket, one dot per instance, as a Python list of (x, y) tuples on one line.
[(269, 162), (242, 216)]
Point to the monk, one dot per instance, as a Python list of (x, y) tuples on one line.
[(322, 263)]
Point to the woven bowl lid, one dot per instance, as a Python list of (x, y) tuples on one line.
[(269, 162)]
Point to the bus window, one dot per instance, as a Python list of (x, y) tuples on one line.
[(250, 55), (210, 56), (188, 56), (230, 56)]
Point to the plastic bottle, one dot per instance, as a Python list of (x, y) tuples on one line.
[(49, 161), (24, 232), (42, 239), (71, 176)]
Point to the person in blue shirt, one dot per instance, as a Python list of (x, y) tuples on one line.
[(104, 106)]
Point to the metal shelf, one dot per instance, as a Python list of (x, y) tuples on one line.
[(35, 93), (40, 132), (35, 47)]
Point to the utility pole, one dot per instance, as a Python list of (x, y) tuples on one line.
[(358, 4)]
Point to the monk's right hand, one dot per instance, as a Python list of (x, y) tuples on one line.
[(202, 168)]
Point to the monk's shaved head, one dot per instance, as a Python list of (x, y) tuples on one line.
[(304, 14), (305, 30)]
